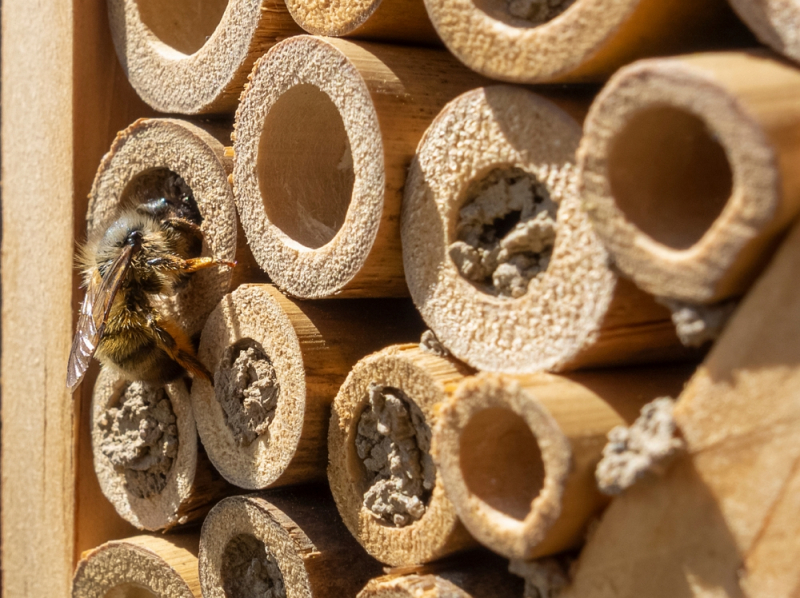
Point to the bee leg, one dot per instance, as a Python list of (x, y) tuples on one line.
[(198, 263), (177, 345)]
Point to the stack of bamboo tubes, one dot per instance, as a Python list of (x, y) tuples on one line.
[(573, 251)]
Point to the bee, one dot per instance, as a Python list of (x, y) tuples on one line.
[(146, 251)]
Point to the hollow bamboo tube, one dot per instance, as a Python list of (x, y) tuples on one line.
[(193, 56), (479, 574), (517, 455), (146, 455), (140, 567), (574, 311), (139, 167), (296, 536), (309, 349), (380, 20), (322, 219), (775, 23), (541, 41), (723, 519), (413, 524), (687, 170)]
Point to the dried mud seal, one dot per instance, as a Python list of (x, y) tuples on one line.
[(246, 386), (538, 12), (394, 441), (140, 438), (249, 570), (505, 232)]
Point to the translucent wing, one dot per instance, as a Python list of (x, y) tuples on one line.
[(94, 312)]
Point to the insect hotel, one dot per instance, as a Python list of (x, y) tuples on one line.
[(388, 299)]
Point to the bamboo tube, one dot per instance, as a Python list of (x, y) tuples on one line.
[(542, 41), (193, 57), (289, 542), (146, 454), (513, 178), (142, 165), (775, 23), (479, 574), (322, 219), (687, 169), (723, 519), (380, 471), (265, 421), (140, 567), (517, 455), (380, 20)]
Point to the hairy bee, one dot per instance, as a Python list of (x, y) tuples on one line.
[(146, 251)]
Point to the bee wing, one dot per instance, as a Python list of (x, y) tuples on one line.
[(92, 319)]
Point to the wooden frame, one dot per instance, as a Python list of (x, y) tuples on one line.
[(64, 97)]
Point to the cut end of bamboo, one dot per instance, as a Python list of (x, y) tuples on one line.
[(680, 170), (139, 567), (504, 461), (542, 41), (281, 544), (311, 211), (389, 399), (334, 19), (155, 158), (500, 258), (144, 442), (774, 22), (251, 345), (185, 58)]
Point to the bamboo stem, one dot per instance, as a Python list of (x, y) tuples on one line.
[(193, 57), (576, 40), (553, 302), (294, 356), (696, 218), (141, 166), (774, 22), (517, 455), (478, 574), (322, 219), (295, 537), (140, 567), (400, 519), (723, 519), (146, 454), (404, 21)]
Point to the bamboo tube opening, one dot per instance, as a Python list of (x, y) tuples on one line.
[(186, 165), (139, 567), (380, 469), (305, 166), (285, 544), (501, 461), (523, 13), (249, 570), (500, 258), (324, 134), (505, 232), (685, 171), (669, 176), (129, 590), (184, 25), (517, 454), (146, 457), (548, 41), (193, 56)]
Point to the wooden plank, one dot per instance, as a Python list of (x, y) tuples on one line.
[(64, 97), (38, 454)]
